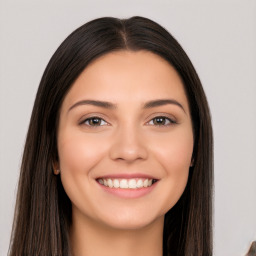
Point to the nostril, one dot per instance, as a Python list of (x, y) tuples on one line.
[(127, 148)]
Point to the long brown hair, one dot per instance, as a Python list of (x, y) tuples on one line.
[(43, 210)]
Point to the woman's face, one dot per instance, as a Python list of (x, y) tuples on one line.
[(125, 140)]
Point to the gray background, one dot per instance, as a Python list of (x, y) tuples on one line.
[(219, 37)]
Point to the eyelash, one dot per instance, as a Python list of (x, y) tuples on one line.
[(166, 119), (91, 119)]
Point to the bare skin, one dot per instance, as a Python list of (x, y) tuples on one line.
[(125, 120), (96, 240)]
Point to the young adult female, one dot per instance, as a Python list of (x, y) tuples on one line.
[(118, 156)]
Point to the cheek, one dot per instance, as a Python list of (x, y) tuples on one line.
[(78, 155), (77, 152), (73, 157), (174, 154), (175, 151)]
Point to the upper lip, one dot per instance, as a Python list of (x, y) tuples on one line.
[(127, 176)]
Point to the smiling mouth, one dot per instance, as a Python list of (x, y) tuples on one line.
[(134, 183)]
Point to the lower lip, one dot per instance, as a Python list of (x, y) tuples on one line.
[(128, 193)]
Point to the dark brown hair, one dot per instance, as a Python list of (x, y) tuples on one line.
[(43, 210)]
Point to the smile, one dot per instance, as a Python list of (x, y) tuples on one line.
[(134, 183)]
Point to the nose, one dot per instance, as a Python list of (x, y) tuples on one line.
[(128, 145)]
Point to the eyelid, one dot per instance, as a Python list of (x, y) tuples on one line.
[(91, 116), (171, 118), (170, 121)]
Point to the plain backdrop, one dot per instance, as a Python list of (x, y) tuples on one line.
[(219, 37)]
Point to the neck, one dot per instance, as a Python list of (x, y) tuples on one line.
[(91, 238)]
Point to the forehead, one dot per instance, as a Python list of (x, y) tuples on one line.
[(128, 76)]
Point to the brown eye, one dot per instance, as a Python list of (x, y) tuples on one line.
[(161, 121), (94, 121)]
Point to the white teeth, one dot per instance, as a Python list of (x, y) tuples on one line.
[(126, 183), (145, 183), (139, 184), (123, 184), (110, 183), (116, 183), (132, 183)]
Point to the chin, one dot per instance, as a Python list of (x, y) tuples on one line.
[(131, 219)]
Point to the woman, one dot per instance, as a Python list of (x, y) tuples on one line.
[(118, 156)]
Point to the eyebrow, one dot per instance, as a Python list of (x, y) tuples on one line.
[(97, 103), (161, 102), (109, 105)]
